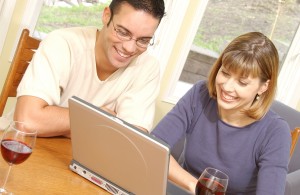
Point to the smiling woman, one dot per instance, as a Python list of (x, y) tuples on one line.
[(222, 117)]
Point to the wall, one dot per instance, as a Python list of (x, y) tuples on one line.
[(5, 57)]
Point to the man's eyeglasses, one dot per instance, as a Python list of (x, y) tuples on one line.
[(124, 35)]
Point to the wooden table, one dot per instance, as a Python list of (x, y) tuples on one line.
[(47, 171)]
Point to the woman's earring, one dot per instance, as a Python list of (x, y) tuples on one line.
[(257, 97)]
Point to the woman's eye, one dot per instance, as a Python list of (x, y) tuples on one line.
[(225, 73), (243, 83)]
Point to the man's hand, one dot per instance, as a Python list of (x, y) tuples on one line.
[(108, 110), (115, 114)]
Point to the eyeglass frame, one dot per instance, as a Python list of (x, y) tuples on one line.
[(128, 37)]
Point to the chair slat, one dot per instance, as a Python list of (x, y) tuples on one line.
[(295, 136), (27, 54), (25, 50)]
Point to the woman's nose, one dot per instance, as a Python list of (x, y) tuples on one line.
[(228, 85)]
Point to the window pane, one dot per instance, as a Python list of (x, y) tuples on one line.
[(224, 20), (63, 14)]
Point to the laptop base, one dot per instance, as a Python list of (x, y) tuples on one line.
[(99, 181)]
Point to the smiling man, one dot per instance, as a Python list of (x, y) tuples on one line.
[(107, 67)]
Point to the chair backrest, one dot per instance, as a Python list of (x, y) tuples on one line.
[(292, 117), (23, 55)]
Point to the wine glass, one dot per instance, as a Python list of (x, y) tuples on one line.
[(16, 146), (212, 181)]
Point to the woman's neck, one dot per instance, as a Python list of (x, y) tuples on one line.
[(235, 118)]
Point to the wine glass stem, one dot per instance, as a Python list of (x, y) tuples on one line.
[(6, 177)]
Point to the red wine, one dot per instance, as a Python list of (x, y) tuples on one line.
[(14, 152), (216, 188)]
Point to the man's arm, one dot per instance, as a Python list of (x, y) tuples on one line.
[(47, 120)]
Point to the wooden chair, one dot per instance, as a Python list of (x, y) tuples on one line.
[(23, 55), (295, 135)]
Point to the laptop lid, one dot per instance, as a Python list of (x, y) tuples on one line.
[(110, 152)]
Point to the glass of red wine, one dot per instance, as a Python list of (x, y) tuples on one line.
[(16, 146), (212, 181)]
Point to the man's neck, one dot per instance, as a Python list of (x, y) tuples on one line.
[(104, 69)]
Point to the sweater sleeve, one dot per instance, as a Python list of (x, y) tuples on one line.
[(178, 121), (273, 160)]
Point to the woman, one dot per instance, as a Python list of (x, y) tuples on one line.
[(228, 125)]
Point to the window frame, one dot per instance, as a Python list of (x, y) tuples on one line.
[(6, 12), (172, 95), (168, 30)]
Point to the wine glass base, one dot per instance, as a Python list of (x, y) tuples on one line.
[(5, 192)]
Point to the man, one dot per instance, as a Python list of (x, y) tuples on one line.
[(108, 68)]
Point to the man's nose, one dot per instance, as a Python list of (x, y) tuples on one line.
[(130, 46)]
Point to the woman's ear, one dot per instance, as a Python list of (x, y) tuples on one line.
[(106, 16), (264, 87)]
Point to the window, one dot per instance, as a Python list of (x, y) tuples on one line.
[(63, 14), (222, 21), (41, 17)]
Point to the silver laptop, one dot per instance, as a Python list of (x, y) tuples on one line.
[(114, 154)]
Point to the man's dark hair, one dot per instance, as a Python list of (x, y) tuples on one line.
[(154, 7)]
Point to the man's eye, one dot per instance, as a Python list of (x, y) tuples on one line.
[(144, 41), (123, 33)]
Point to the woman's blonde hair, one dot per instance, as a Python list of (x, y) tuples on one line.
[(250, 54)]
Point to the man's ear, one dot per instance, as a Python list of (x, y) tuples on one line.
[(106, 16), (264, 87)]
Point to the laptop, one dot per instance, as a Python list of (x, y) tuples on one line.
[(114, 154), (94, 130)]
